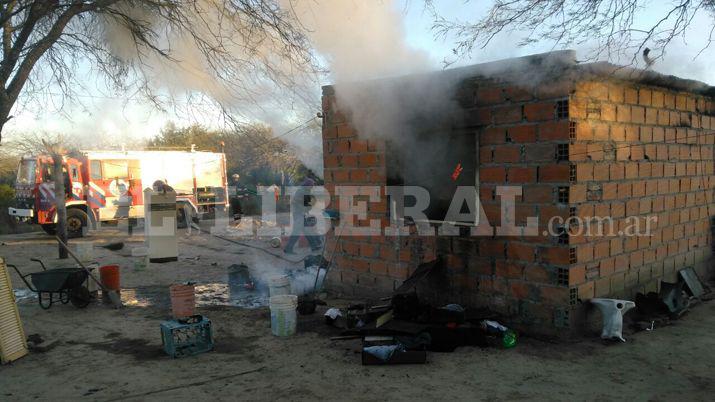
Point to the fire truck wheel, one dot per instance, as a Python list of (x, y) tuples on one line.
[(76, 222), (49, 228)]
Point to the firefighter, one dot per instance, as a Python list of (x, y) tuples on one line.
[(303, 224)]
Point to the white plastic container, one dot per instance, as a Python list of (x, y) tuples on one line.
[(140, 255), (85, 251), (283, 314), (279, 285)]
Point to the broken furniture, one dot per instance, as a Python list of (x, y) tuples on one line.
[(673, 297), (58, 284), (12, 337), (187, 336), (612, 311), (692, 283)]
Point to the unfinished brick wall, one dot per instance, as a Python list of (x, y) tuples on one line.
[(577, 148), (642, 151)]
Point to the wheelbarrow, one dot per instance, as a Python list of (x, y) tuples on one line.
[(59, 284)]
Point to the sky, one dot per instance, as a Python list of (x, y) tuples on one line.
[(101, 114)]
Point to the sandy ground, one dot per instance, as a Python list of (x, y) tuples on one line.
[(99, 353)]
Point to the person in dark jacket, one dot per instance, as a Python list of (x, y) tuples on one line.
[(303, 224)]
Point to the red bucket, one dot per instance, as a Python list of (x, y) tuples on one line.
[(182, 300), (109, 276)]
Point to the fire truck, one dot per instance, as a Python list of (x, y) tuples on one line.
[(106, 186)]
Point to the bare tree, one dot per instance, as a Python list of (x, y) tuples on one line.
[(234, 44), (57, 152), (610, 24)]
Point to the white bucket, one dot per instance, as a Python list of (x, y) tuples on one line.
[(140, 251), (85, 251), (141, 258), (279, 285), (283, 315)]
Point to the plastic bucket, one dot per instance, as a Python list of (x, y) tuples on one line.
[(141, 258), (182, 300), (283, 315), (278, 285), (109, 276), (85, 251)]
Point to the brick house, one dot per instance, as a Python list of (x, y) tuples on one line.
[(582, 140)]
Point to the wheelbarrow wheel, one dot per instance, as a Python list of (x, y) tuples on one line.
[(80, 297), (45, 305)]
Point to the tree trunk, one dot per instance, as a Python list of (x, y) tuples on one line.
[(61, 208)]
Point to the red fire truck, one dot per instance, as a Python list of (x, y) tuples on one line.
[(104, 186)]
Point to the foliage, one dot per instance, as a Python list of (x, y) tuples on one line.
[(217, 48), (251, 152), (611, 24)]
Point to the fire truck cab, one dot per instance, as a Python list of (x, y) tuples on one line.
[(104, 186)]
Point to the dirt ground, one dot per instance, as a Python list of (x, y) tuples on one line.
[(99, 353)]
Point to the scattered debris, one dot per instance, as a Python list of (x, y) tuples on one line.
[(379, 350), (113, 246), (612, 311), (672, 295), (693, 285), (36, 344)]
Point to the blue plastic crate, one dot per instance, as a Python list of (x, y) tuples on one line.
[(187, 337)]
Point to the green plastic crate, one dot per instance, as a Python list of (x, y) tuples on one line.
[(187, 336)]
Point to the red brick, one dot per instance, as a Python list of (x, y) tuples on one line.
[(555, 296), (520, 251), (358, 146), (522, 134), (369, 160), (488, 96), (508, 269), (538, 194), (555, 255), (330, 161), (577, 274), (554, 131), (554, 173), (631, 95), (507, 114), (540, 111), (358, 175), (345, 131), (493, 136), (492, 174), (536, 273), (517, 94), (378, 267), (340, 176), (521, 175), (623, 113), (506, 153), (595, 90)]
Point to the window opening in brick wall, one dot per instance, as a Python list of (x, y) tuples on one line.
[(563, 195), (437, 159), (573, 296), (562, 152), (562, 276), (562, 109)]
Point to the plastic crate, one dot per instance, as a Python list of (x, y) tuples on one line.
[(187, 336)]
